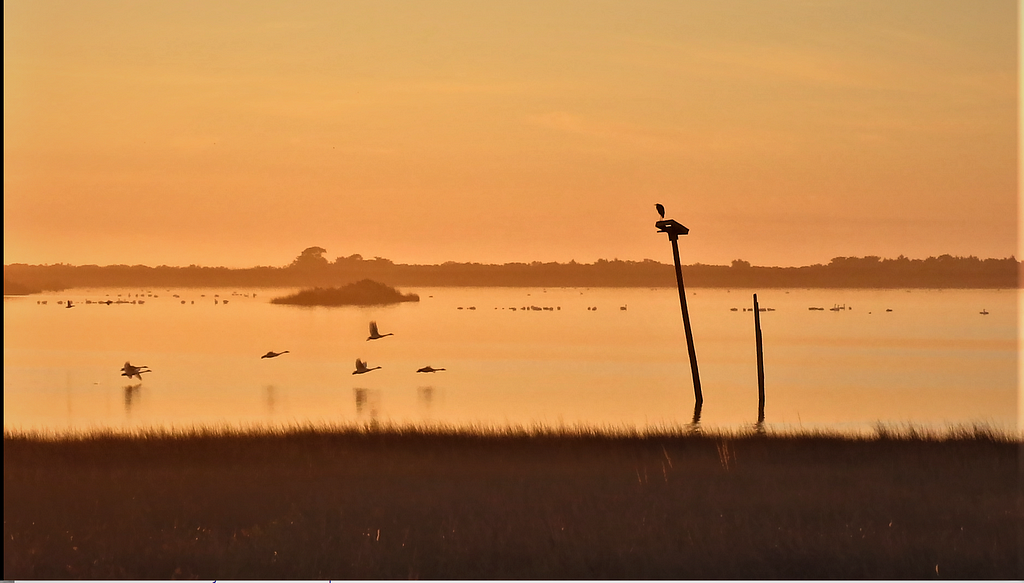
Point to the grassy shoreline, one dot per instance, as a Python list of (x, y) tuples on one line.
[(359, 502)]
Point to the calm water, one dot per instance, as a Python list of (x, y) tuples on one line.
[(933, 360)]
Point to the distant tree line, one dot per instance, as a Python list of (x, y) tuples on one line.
[(311, 268)]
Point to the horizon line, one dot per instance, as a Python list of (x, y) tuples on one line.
[(570, 262)]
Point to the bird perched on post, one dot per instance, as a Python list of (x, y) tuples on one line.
[(660, 209), (272, 354), (362, 368), (133, 371), (374, 334)]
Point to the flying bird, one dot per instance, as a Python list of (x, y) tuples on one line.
[(429, 369), (362, 368), (374, 334), (133, 371), (272, 354), (69, 305), (661, 210)]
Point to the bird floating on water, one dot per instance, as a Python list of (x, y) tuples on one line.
[(133, 371), (660, 209), (429, 369), (374, 334), (361, 367), (272, 354)]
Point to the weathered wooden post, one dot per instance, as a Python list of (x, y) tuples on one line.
[(760, 364), (674, 229)]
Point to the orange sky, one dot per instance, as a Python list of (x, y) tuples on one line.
[(239, 133)]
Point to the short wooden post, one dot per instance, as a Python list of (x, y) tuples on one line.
[(760, 363)]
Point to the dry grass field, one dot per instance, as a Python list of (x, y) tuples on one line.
[(392, 503)]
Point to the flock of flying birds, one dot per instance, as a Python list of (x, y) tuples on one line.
[(129, 370), (362, 367)]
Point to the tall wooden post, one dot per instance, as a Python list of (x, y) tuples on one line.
[(698, 395), (674, 229), (760, 363)]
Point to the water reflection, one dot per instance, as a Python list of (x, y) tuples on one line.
[(270, 398), (694, 426), (67, 391), (425, 396), (131, 396), (367, 403)]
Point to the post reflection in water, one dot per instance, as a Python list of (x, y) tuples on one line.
[(695, 424), (131, 396)]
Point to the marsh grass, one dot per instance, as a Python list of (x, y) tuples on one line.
[(384, 501)]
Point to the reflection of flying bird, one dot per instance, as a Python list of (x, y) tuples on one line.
[(130, 392), (272, 354), (661, 210), (429, 369), (374, 334), (362, 368), (133, 371)]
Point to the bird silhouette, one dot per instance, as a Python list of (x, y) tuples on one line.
[(660, 209), (361, 367), (69, 304), (133, 371), (272, 354), (429, 369), (374, 334)]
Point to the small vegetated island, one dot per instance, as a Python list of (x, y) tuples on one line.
[(361, 293)]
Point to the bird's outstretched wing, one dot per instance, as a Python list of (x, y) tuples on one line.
[(360, 365), (373, 329)]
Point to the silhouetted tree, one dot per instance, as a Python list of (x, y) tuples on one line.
[(311, 258), (354, 258)]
